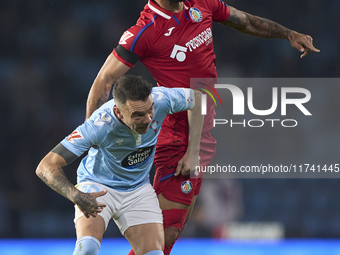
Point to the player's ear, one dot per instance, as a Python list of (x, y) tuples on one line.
[(118, 112)]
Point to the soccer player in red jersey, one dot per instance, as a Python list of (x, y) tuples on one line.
[(173, 39)]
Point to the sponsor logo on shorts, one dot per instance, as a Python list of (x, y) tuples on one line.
[(186, 187), (195, 14)]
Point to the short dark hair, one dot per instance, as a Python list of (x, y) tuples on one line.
[(131, 87)]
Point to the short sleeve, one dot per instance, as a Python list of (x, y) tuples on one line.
[(78, 141), (134, 43), (92, 132), (220, 10), (178, 99)]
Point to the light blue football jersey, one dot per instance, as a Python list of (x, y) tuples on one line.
[(124, 158)]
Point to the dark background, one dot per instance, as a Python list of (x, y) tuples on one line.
[(50, 53)]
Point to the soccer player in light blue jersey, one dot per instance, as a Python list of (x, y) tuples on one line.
[(174, 41), (113, 179)]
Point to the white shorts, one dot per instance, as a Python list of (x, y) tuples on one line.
[(127, 209)]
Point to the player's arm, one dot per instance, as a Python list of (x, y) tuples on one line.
[(50, 171), (107, 76), (190, 160), (264, 28)]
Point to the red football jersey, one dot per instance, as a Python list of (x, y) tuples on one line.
[(175, 46)]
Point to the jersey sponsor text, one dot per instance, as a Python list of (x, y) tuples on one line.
[(137, 158), (197, 41)]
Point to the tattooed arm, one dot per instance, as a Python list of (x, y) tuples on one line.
[(108, 74), (50, 171), (264, 28)]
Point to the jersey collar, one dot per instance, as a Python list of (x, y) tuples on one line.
[(161, 11)]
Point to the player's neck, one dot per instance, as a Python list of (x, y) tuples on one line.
[(170, 6)]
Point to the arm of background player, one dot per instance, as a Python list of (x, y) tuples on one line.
[(110, 72), (50, 171), (190, 160), (264, 28)]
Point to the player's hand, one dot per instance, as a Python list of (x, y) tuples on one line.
[(183, 166), (303, 43), (186, 165), (89, 205)]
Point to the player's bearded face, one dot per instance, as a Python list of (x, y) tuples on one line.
[(137, 115)]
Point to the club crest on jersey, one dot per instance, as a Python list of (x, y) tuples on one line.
[(154, 125), (195, 14), (186, 187)]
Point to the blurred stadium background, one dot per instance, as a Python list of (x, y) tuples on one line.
[(50, 54)]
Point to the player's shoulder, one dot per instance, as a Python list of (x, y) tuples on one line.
[(159, 90), (198, 3), (159, 93), (146, 19), (103, 117), (207, 5), (146, 26), (205, 2), (168, 90)]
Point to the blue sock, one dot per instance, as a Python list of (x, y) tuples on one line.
[(155, 252), (87, 245)]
